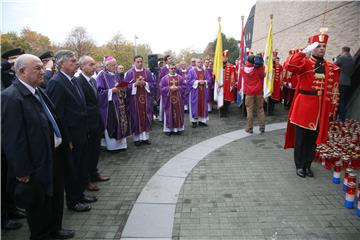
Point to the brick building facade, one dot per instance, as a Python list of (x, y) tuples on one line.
[(295, 21)]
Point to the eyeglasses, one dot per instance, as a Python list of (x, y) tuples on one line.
[(172, 68)]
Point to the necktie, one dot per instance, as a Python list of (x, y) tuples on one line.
[(93, 85), (48, 114)]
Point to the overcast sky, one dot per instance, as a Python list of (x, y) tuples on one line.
[(162, 24)]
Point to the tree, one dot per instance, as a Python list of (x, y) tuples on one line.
[(144, 50), (79, 42), (11, 40), (230, 44), (38, 43), (209, 51)]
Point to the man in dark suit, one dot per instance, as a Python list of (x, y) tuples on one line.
[(69, 101), (346, 63), (88, 85), (33, 143), (48, 60)]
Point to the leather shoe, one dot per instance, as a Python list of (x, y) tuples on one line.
[(147, 142), (88, 199), (100, 178), (17, 213), (300, 172), (137, 143), (92, 187), (249, 130), (202, 124), (79, 207), (309, 173), (168, 133), (11, 225), (63, 234), (194, 125)]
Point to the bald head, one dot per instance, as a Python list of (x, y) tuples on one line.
[(29, 69), (87, 65)]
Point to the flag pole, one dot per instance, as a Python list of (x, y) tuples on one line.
[(268, 98)]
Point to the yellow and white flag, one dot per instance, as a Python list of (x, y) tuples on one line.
[(218, 70), (268, 58)]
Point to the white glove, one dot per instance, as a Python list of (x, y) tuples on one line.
[(310, 47)]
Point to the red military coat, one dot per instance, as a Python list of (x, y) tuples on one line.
[(229, 82), (277, 75), (308, 110)]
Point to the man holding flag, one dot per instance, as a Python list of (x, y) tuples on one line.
[(241, 62), (228, 84)]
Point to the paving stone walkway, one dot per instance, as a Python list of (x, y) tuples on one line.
[(237, 202)]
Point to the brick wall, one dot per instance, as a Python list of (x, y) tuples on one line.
[(295, 21)]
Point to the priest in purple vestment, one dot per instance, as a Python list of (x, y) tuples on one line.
[(184, 74), (140, 96), (197, 86), (208, 70), (163, 72), (113, 106), (173, 87)]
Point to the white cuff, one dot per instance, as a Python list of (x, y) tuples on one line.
[(195, 84), (133, 89), (110, 93), (147, 88)]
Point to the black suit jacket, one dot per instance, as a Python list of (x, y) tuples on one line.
[(70, 107), (92, 104), (27, 135)]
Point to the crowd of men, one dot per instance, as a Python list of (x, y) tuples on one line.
[(58, 110)]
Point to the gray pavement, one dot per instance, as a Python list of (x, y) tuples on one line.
[(225, 184)]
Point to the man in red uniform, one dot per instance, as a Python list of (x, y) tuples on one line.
[(292, 83), (277, 75), (286, 79), (229, 84), (315, 101)]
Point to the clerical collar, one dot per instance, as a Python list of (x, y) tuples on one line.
[(173, 75), (31, 88), (67, 76), (167, 66), (139, 70), (199, 69)]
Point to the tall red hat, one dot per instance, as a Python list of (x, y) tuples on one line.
[(320, 38)]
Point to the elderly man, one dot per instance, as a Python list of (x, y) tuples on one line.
[(88, 85), (113, 107), (140, 95), (315, 102), (69, 101), (34, 144)]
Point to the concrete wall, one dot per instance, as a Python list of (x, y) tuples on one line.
[(295, 21)]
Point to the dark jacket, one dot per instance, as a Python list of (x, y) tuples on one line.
[(27, 136), (70, 107), (346, 64), (92, 104)]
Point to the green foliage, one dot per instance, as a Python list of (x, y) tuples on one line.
[(230, 44)]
